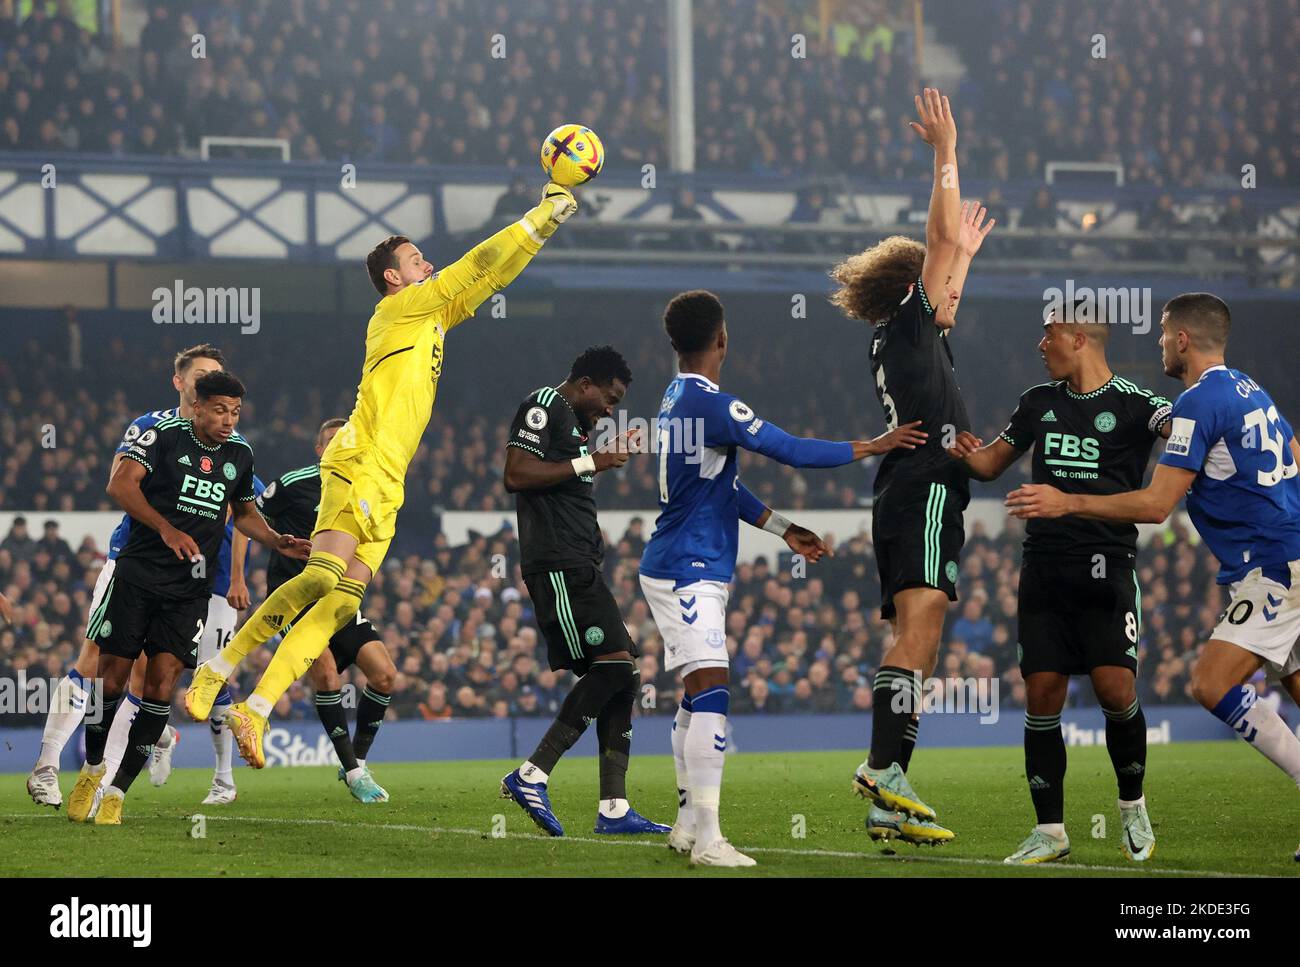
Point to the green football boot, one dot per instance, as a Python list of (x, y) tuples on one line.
[(884, 825), (1039, 847), (890, 790)]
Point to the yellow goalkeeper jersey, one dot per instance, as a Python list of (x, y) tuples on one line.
[(404, 355)]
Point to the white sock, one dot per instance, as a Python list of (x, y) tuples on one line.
[(613, 808), (1127, 804), (165, 740), (1052, 829), (1265, 731), (681, 725), (705, 754), (261, 705), (68, 709), (223, 744), (353, 774), (530, 773), (119, 734), (219, 665), (361, 763)]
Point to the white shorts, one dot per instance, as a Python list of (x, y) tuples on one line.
[(97, 596), (692, 620), (1263, 617), (218, 629)]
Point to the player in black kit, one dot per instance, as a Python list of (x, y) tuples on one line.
[(909, 293), (1079, 602), (176, 480), (550, 471), (291, 503)]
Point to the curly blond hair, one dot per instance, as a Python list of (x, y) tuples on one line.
[(874, 282)]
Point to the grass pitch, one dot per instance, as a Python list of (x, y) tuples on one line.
[(1217, 808)]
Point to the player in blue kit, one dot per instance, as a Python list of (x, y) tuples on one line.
[(72, 696), (1235, 457), (691, 557)]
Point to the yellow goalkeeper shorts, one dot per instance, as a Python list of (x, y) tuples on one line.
[(353, 507)]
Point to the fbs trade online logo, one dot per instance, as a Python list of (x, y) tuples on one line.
[(102, 921)]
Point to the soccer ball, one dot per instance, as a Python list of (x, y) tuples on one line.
[(572, 155)]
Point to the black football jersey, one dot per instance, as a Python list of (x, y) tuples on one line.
[(911, 360), (190, 484), (290, 503), (557, 527), (1090, 443)]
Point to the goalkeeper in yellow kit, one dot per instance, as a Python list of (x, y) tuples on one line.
[(363, 469)]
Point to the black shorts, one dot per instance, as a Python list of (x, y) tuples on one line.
[(917, 532), (1074, 617), (137, 619), (578, 616), (350, 639)]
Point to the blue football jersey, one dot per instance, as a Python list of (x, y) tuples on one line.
[(1245, 501), (701, 499), (133, 430), (221, 584)]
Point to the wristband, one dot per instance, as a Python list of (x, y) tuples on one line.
[(583, 465), (776, 524)]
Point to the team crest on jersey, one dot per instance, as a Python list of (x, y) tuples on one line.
[(715, 638), (228, 471), (536, 417), (951, 571), (594, 636), (105, 628), (740, 412), (205, 464), (1104, 422)]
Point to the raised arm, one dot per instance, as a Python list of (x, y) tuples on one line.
[(936, 127), (970, 238), (493, 264)]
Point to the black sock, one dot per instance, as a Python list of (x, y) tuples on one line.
[(329, 706), (614, 730), (581, 707), (1045, 766), (145, 730), (894, 697), (909, 742), (370, 715), (97, 731), (1126, 741)]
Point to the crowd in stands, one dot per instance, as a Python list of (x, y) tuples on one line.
[(459, 624), (1183, 96)]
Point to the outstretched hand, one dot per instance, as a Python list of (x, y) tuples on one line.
[(970, 236), (1037, 500), (965, 445), (805, 542), (936, 126), (295, 547)]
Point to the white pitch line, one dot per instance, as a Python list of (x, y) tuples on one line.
[(1044, 868)]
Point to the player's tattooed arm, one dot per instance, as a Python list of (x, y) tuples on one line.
[(124, 488), (970, 237), (937, 128), (249, 521), (983, 462), (1151, 505)]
